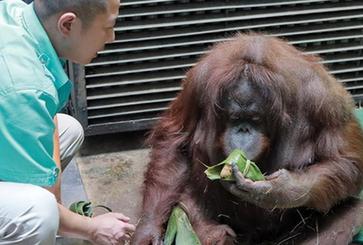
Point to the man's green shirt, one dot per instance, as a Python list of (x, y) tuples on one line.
[(33, 88)]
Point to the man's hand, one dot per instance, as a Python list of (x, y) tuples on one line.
[(110, 229), (106, 229)]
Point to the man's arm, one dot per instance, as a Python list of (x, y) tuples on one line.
[(109, 228), (31, 135), (101, 229)]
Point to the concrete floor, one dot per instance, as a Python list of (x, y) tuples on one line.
[(72, 190), (108, 171), (115, 180)]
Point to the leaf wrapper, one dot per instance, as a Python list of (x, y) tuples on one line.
[(179, 230), (85, 208), (82, 207), (248, 168)]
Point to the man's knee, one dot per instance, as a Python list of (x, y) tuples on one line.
[(70, 129), (71, 136), (45, 213), (76, 133), (32, 220)]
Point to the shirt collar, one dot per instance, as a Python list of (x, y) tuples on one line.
[(45, 50)]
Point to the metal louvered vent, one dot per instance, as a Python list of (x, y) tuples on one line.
[(131, 82)]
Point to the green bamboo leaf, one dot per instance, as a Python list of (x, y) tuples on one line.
[(185, 234), (213, 172), (179, 229), (171, 229), (248, 168), (358, 238), (359, 115), (82, 207), (86, 208)]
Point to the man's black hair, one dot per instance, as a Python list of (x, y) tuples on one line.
[(86, 10)]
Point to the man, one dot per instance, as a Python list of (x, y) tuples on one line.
[(34, 40)]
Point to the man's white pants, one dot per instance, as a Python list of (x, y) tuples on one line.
[(29, 214)]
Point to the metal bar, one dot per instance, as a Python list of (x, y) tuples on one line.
[(340, 60), (127, 113), (279, 22), (215, 6), (354, 87), (355, 79), (146, 58), (347, 70), (139, 70), (133, 103), (181, 54), (139, 81), (196, 41), (150, 91), (333, 50), (244, 17), (121, 126)]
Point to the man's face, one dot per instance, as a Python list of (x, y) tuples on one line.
[(88, 41)]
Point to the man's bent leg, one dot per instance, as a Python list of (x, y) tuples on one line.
[(28, 215), (71, 136)]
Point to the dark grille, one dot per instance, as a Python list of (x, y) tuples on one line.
[(131, 82)]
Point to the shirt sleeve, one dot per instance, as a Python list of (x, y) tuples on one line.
[(26, 138)]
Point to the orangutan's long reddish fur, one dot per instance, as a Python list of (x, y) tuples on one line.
[(304, 101)]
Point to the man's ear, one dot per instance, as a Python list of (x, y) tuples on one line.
[(66, 22)]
